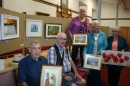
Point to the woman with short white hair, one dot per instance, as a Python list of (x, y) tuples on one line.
[(79, 24), (97, 41), (115, 43)]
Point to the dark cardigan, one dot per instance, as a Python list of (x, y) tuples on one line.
[(122, 45)]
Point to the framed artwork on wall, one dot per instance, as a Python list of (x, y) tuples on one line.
[(51, 30), (80, 39), (92, 61), (33, 28), (51, 76), (9, 26)]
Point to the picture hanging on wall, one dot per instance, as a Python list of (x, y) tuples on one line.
[(9, 26), (33, 28), (51, 30), (51, 75)]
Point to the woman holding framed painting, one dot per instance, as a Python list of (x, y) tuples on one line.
[(79, 24), (97, 41), (115, 43)]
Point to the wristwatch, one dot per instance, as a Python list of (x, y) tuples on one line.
[(63, 75)]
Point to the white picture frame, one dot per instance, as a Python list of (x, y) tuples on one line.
[(92, 62), (121, 60), (9, 26), (51, 75), (34, 28)]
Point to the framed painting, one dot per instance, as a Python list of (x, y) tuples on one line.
[(51, 76), (9, 26), (116, 57), (34, 28), (92, 61), (51, 30), (80, 39)]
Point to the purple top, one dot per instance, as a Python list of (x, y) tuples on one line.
[(75, 26)]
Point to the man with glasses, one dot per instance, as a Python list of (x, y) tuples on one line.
[(59, 55)]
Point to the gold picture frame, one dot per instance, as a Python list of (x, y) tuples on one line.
[(80, 39)]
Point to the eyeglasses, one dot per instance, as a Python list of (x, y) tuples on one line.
[(115, 31), (63, 39)]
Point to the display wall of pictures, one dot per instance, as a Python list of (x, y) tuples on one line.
[(51, 30), (34, 28), (80, 39), (92, 61), (9, 26), (116, 57), (51, 76)]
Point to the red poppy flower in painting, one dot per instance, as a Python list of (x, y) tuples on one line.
[(119, 55), (126, 58), (121, 60)]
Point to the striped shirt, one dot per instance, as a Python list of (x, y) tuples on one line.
[(52, 58)]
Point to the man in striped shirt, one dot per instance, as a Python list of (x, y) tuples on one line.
[(58, 55)]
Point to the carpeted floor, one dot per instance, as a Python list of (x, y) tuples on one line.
[(124, 78)]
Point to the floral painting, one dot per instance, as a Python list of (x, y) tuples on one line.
[(116, 57), (51, 76)]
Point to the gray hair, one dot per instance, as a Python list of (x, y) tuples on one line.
[(116, 27), (82, 7), (34, 42), (59, 34), (96, 22)]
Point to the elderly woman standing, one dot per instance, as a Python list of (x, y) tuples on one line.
[(115, 43), (97, 41), (79, 24)]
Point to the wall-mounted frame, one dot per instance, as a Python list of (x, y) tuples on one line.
[(42, 14), (9, 26), (80, 39), (52, 29), (92, 61), (33, 28), (64, 3), (51, 76)]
